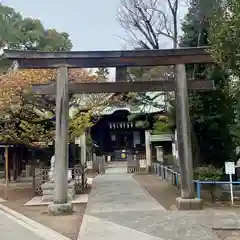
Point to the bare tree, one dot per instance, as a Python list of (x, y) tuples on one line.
[(149, 22)]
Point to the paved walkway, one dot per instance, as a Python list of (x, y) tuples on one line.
[(119, 208), (11, 229), (16, 226)]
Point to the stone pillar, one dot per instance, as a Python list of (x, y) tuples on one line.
[(148, 150), (95, 163), (60, 204), (159, 151), (174, 149), (175, 152), (83, 148), (136, 138), (28, 170), (102, 164), (187, 199)]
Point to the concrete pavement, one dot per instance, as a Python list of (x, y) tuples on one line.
[(119, 208), (14, 225), (11, 229)]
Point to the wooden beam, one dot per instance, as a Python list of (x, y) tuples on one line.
[(93, 59), (124, 87)]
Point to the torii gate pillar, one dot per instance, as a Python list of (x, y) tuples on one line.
[(61, 204), (187, 200)]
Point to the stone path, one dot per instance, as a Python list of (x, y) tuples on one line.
[(11, 229), (119, 208)]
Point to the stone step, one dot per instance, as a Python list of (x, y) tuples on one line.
[(50, 198), (49, 185), (51, 192)]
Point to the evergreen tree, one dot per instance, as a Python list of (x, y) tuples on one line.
[(212, 113)]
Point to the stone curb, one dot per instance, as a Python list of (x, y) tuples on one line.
[(226, 224), (83, 228), (39, 229), (2, 200)]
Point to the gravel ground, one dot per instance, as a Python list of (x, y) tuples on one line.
[(164, 193)]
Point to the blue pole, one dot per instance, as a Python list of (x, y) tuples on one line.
[(198, 190)]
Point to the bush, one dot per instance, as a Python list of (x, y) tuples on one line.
[(209, 173)]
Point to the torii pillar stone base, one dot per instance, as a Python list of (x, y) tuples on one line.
[(60, 209), (189, 204)]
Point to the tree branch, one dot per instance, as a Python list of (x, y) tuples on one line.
[(147, 20)]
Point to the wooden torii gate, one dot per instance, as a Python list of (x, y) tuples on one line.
[(121, 60)]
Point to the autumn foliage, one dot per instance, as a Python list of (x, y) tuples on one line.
[(17, 104), (25, 117), (14, 84)]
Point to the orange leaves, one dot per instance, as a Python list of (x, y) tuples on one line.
[(25, 78), (17, 102), (80, 75), (13, 84)]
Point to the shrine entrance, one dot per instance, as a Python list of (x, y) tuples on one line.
[(116, 135), (121, 60), (124, 139)]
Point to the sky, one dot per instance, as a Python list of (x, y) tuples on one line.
[(91, 26)]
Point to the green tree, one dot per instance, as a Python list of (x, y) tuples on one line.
[(17, 32), (225, 48), (225, 34), (212, 113)]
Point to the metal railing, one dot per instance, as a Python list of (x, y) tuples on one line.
[(141, 157), (79, 176), (98, 164), (166, 173), (214, 183)]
